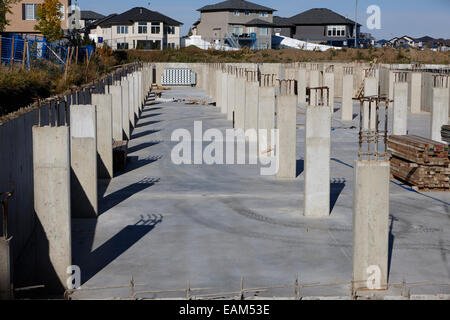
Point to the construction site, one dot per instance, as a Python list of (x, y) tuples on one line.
[(96, 203)]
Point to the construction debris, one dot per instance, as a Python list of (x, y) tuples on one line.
[(420, 162)]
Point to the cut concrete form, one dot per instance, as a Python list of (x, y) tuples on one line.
[(231, 100), (5, 269), (266, 114), (287, 128), (116, 93), (416, 92), (83, 161), (440, 113), (400, 120), (347, 96), (240, 89), (51, 166), (125, 110), (317, 161), (301, 85), (132, 116), (370, 89), (328, 81), (251, 101), (103, 103), (371, 224), (224, 92), (314, 82)]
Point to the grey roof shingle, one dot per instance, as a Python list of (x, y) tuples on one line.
[(90, 15), (282, 22), (235, 5), (320, 16), (140, 14)]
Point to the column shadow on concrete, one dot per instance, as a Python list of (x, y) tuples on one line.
[(81, 206), (300, 167), (355, 115), (336, 187), (149, 123), (391, 243), (115, 198), (149, 115), (134, 163), (144, 133), (142, 146), (91, 262)]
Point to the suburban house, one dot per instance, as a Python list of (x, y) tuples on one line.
[(403, 42), (22, 18), (317, 25), (137, 28), (236, 23), (88, 17)]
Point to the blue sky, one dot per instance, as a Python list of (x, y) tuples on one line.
[(415, 18)]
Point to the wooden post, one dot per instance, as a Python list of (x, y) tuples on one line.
[(11, 62)]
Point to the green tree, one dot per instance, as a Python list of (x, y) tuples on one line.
[(49, 17), (5, 8)]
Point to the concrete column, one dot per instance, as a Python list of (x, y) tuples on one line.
[(103, 103), (328, 81), (83, 161), (416, 92), (116, 93), (239, 113), (287, 128), (370, 222), (218, 90), (301, 85), (51, 177), (137, 110), (140, 91), (400, 112), (231, 95), (439, 113), (370, 89), (125, 110), (5, 269), (391, 84), (347, 98), (224, 93), (314, 82), (132, 116), (266, 117), (317, 161), (251, 105)]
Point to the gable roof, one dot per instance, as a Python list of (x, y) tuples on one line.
[(235, 5), (320, 16), (282, 22), (102, 21), (140, 14), (90, 15)]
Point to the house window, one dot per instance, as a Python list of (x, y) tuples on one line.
[(156, 28), (142, 27), (263, 14), (122, 29), (263, 31), (238, 31), (247, 13), (30, 11), (122, 46), (236, 13), (170, 30), (336, 31), (251, 30), (63, 13)]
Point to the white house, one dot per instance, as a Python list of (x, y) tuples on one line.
[(138, 28)]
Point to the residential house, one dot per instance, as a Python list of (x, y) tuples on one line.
[(137, 28), (22, 18), (403, 42), (236, 23), (88, 17), (318, 25)]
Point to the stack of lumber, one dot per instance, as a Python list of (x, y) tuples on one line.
[(445, 133), (420, 162)]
